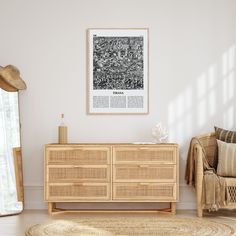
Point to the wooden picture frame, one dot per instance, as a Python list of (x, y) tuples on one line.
[(118, 71)]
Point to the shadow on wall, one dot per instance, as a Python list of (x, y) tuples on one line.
[(207, 101)]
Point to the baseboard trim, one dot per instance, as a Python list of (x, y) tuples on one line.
[(186, 206)]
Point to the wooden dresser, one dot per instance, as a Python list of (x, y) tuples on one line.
[(111, 173)]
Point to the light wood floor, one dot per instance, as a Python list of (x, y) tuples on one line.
[(17, 225)]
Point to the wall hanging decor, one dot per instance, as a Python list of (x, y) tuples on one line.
[(118, 71)]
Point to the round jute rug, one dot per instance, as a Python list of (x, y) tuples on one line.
[(135, 226)]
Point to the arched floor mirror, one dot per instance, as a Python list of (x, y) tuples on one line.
[(11, 178)]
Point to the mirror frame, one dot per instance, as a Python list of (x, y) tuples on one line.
[(18, 165)]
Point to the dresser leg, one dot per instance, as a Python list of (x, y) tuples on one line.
[(173, 207), (51, 207)]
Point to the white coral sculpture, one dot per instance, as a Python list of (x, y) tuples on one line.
[(159, 133)]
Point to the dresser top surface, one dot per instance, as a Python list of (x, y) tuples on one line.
[(114, 144)]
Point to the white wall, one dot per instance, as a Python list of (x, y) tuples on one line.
[(192, 73)]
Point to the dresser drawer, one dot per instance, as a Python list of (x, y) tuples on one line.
[(144, 155), (80, 155), (82, 191), (144, 191), (144, 173), (78, 173)]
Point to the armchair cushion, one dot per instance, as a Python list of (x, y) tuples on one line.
[(224, 135), (226, 159)]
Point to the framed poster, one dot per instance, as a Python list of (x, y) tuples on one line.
[(118, 71)]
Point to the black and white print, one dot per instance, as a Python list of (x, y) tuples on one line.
[(118, 71), (117, 63)]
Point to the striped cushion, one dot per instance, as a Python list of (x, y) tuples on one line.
[(227, 136), (226, 159)]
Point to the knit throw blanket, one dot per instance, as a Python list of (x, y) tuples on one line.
[(214, 187)]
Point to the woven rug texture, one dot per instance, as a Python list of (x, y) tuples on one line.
[(131, 226)]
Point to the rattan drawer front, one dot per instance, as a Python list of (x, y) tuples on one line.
[(85, 173), (83, 191), (78, 155), (144, 191), (144, 154), (144, 173)]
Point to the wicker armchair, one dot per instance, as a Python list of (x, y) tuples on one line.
[(208, 146)]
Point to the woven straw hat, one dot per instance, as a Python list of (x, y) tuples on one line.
[(10, 79)]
